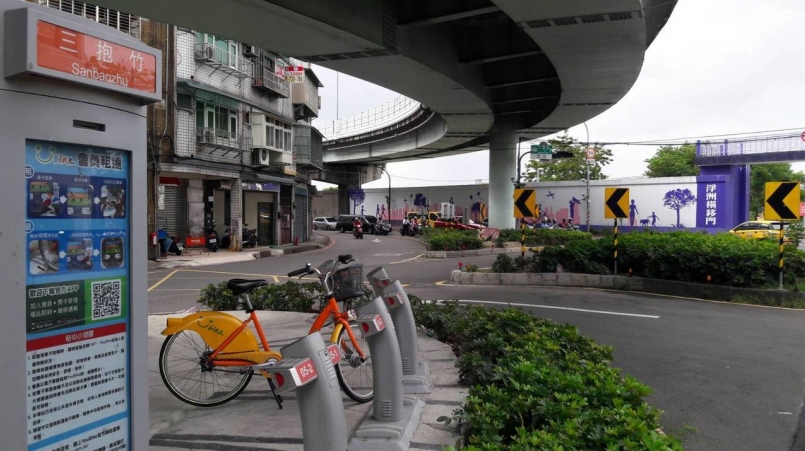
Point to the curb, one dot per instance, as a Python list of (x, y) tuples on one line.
[(473, 253), (636, 284)]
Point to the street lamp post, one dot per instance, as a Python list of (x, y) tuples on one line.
[(388, 205)]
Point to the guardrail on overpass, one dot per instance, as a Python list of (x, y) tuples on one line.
[(367, 121)]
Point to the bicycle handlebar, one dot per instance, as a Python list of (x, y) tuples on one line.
[(300, 272)]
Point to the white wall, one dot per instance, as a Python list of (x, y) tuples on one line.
[(647, 194)]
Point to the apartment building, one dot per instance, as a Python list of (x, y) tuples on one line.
[(231, 141)]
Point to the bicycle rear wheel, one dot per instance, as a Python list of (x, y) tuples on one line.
[(354, 375), (185, 371)]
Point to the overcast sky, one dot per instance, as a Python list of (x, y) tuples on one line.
[(718, 67)]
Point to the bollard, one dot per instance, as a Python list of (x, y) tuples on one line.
[(379, 280), (307, 366), (393, 419), (415, 370)]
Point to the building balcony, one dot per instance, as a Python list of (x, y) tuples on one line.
[(220, 59), (223, 139), (272, 83)]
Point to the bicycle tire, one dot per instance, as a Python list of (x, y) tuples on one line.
[(45, 258), (192, 373), (356, 379)]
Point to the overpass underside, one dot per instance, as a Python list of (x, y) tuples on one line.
[(490, 71)]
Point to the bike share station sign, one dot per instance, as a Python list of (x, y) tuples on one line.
[(73, 278)]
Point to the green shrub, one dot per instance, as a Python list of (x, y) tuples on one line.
[(545, 237), (453, 240), (503, 263), (796, 232), (287, 297), (537, 385), (683, 256), (218, 297)]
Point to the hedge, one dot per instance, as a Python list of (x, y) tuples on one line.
[(452, 240), (545, 237), (682, 256), (290, 297), (537, 385)]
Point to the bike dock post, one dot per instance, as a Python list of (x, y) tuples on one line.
[(393, 419), (415, 370), (307, 366)]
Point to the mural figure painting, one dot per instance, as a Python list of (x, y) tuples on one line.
[(572, 204), (632, 212)]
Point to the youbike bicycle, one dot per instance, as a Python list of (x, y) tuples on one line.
[(208, 358)]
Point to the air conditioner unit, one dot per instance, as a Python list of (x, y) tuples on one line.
[(250, 50), (259, 138), (261, 157), (208, 52), (205, 136)]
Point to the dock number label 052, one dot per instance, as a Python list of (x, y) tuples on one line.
[(306, 371)]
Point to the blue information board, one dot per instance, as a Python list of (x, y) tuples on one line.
[(77, 268)]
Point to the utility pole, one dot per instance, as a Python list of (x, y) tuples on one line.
[(388, 206)]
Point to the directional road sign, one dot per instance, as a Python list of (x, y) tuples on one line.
[(525, 203), (541, 151), (782, 201), (616, 203)]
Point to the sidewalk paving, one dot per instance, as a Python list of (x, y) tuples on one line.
[(252, 421), (202, 257)]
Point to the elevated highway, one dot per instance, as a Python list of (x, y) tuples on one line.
[(488, 71)]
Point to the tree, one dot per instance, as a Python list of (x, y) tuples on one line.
[(762, 173), (568, 169), (357, 197), (673, 161), (677, 199)]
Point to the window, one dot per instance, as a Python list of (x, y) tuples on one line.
[(233, 54), (209, 117), (233, 124), (184, 101)]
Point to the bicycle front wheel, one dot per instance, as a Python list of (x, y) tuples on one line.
[(354, 374), (190, 377)]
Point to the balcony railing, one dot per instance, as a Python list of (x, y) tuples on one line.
[(223, 60), (366, 121), (272, 82), (223, 138)]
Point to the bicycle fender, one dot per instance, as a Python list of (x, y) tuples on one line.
[(336, 330), (214, 328)]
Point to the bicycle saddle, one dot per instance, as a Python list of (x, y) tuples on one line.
[(240, 286)]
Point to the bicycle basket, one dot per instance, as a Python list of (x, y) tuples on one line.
[(348, 283)]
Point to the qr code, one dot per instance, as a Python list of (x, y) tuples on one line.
[(106, 299)]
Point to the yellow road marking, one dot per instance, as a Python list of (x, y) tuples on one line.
[(178, 289), (163, 280), (444, 283)]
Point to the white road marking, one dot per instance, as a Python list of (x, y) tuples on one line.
[(553, 307), (784, 413), (407, 260)]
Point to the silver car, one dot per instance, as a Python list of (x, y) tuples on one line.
[(324, 223)]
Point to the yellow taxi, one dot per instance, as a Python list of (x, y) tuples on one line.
[(758, 230)]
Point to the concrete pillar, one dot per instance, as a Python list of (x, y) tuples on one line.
[(344, 204), (502, 162)]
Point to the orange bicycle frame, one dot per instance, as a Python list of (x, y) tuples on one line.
[(341, 319)]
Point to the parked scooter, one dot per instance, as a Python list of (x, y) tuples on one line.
[(226, 238), (382, 228), (357, 229), (212, 237), (407, 229), (249, 236)]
